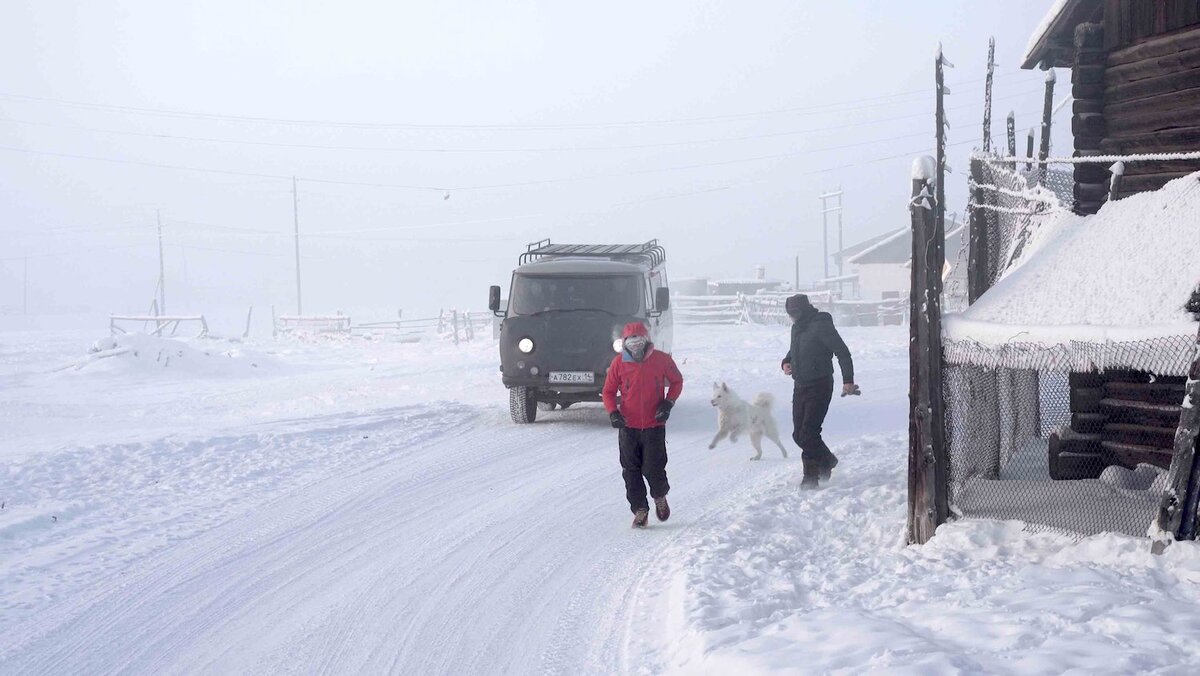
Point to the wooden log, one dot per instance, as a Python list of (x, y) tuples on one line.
[(1144, 435), (1073, 457), (1135, 183), (1095, 193), (1086, 399), (1138, 412), (1087, 75), (1090, 105), (1091, 173), (1088, 423), (1089, 124), (1181, 139), (1168, 166), (1156, 67), (1147, 120), (1088, 92), (1166, 83), (1164, 45), (1156, 393), (1132, 455)]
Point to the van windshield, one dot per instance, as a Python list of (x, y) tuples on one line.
[(616, 295)]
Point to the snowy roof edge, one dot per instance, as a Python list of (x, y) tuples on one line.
[(955, 327), (886, 240), (1042, 32)]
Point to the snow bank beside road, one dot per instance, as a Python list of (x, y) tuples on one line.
[(820, 583), (140, 354)]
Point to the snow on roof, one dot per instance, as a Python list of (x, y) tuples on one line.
[(748, 281), (1123, 274), (896, 247), (906, 230), (1041, 32)]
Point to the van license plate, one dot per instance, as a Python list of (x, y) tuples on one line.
[(573, 377)]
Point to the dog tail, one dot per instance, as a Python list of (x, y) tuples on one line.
[(765, 400)]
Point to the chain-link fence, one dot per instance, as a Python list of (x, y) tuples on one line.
[(1074, 435)]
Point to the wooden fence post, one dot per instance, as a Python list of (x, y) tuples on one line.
[(987, 95), (927, 460), (1012, 135), (978, 272), (1047, 117), (1178, 512), (1029, 150)]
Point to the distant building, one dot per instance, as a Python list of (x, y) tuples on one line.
[(748, 286), (880, 268)]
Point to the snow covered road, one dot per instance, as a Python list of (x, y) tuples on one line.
[(369, 508), (424, 537)]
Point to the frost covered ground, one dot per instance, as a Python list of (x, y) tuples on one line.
[(367, 507)]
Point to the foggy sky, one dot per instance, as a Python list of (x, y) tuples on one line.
[(522, 113)]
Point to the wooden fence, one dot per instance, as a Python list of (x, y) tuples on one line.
[(117, 324), (449, 325), (769, 309)]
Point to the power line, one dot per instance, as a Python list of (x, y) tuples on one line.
[(349, 234), (370, 125), (463, 188), (73, 252), (531, 149)]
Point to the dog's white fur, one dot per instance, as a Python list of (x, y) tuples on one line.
[(735, 415)]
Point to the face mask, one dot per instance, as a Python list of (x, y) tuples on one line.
[(636, 345)]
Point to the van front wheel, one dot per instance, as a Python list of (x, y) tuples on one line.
[(521, 405)]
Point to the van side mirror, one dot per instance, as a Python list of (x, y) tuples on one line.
[(494, 299), (662, 299)]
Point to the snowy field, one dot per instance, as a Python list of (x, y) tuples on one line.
[(367, 507)]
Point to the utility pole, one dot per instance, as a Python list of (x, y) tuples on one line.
[(825, 211), (162, 289), (296, 220)]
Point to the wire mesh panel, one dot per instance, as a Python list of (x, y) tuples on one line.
[(1071, 434), (1008, 434)]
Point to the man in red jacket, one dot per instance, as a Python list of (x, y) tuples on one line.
[(640, 374)]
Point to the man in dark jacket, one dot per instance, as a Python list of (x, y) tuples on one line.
[(640, 374), (809, 362)]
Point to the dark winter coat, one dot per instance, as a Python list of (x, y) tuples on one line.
[(815, 342), (641, 385)]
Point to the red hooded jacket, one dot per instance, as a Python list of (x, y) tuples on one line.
[(641, 384)]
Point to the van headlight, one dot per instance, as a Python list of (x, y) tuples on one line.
[(525, 345), (618, 345)]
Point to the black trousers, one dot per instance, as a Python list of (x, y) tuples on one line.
[(643, 454), (810, 403)]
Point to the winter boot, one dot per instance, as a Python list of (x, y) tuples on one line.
[(661, 509), (640, 518), (827, 467)]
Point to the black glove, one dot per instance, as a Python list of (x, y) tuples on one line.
[(664, 410), (617, 420)]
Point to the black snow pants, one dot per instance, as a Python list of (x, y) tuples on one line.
[(643, 454), (810, 403)]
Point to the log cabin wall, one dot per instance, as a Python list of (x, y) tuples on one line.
[(1087, 120), (1151, 89)]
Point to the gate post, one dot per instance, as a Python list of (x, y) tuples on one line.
[(927, 503), (1177, 514)]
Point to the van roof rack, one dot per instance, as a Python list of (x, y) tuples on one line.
[(649, 252)]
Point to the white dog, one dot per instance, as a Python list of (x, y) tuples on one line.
[(735, 415)]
